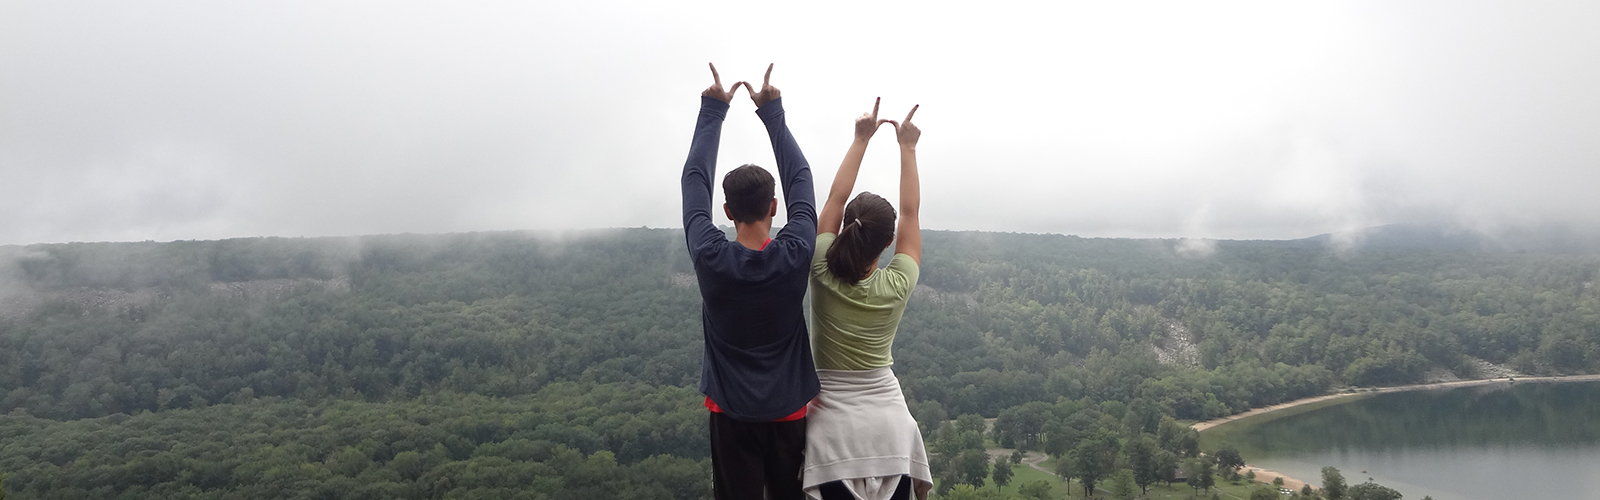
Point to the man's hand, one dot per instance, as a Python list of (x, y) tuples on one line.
[(767, 93), (906, 132), (868, 123), (715, 90)]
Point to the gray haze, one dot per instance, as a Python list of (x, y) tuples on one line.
[(195, 120)]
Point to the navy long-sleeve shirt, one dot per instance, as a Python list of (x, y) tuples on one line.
[(757, 365)]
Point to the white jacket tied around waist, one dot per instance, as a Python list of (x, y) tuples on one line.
[(859, 431)]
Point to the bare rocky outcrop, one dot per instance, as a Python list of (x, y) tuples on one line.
[(1485, 369), (1439, 374), (684, 280), (1178, 347), (275, 288), (943, 298), (19, 302)]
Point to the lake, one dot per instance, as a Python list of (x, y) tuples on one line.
[(1492, 442)]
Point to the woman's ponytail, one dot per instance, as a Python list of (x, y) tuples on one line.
[(868, 228)]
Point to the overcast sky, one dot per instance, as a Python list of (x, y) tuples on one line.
[(163, 120)]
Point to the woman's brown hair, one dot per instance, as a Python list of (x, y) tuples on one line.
[(868, 229)]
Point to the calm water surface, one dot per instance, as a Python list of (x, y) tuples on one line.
[(1506, 441)]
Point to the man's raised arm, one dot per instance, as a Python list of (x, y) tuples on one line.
[(793, 172), (702, 165)]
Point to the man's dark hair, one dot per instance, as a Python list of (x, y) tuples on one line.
[(868, 229), (749, 193)]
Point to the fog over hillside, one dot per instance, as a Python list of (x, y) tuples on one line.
[(1235, 120)]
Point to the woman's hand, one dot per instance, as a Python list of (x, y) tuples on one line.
[(868, 123), (906, 132)]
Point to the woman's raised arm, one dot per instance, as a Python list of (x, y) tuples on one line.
[(845, 180), (908, 237)]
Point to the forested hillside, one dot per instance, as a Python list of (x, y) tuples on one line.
[(546, 365)]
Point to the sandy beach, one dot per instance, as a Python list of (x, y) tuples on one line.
[(1265, 475)]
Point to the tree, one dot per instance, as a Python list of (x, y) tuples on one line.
[(1166, 465), (1199, 474), (973, 467), (1277, 481), (1189, 443), (1333, 487), (1371, 491), (1037, 490), (1228, 458), (1002, 472), (1141, 453), (968, 492), (1307, 492), (1016, 457), (1121, 485), (1092, 460), (971, 423), (1020, 426), (1263, 494), (1066, 468)]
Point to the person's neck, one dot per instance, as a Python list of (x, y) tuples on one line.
[(753, 235)]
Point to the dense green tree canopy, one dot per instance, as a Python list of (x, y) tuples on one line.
[(518, 365)]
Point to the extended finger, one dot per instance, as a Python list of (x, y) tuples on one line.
[(891, 122), (875, 106), (766, 81), (913, 111), (715, 78)]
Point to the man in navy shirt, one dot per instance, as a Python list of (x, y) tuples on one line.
[(757, 373)]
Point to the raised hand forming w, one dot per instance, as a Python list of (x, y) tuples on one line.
[(767, 93), (715, 90), (868, 123)]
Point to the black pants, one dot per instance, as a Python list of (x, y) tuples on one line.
[(836, 490), (755, 460)]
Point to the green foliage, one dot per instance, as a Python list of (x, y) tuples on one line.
[(1372, 491), (972, 467), (520, 365), (1121, 486), (1002, 472), (1036, 490), (929, 416), (1333, 486), (1142, 460), (1199, 474), (971, 422), (1228, 458), (1264, 494), (547, 443), (1093, 459), (969, 492)]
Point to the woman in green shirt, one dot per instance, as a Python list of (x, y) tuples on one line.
[(861, 441)]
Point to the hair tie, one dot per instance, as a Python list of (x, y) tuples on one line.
[(858, 221)]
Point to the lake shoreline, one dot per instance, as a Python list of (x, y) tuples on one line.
[(1295, 483)]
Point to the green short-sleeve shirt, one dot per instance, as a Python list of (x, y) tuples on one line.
[(853, 326)]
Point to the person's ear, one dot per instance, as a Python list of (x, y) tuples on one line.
[(773, 212), (727, 212)]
